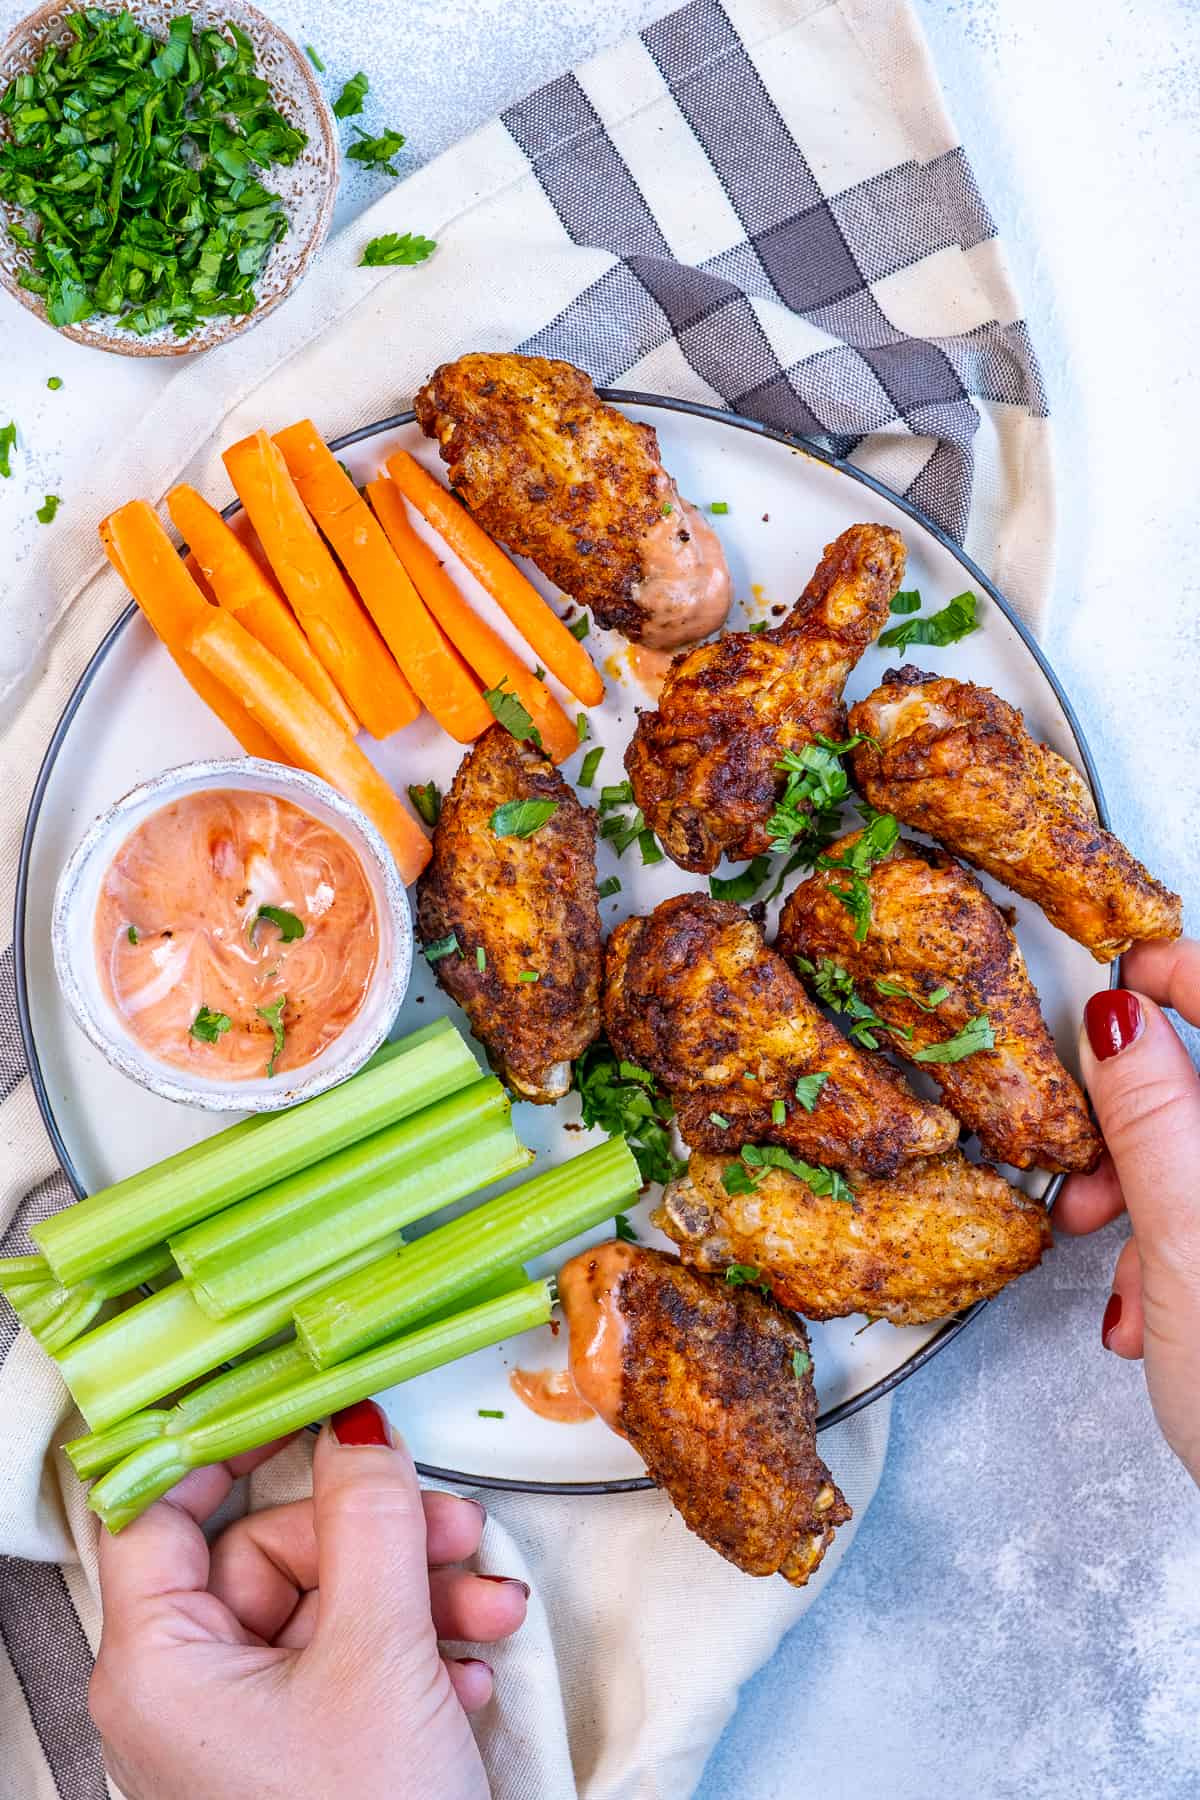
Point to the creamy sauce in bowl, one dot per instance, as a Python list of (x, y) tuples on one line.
[(198, 974)]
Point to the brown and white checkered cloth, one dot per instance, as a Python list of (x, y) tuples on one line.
[(761, 205)]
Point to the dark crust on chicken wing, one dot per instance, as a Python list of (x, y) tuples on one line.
[(939, 1235), (711, 1401), (552, 472), (695, 996), (703, 766), (529, 903), (956, 761), (932, 926)]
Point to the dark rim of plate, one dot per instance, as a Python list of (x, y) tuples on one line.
[(619, 397)]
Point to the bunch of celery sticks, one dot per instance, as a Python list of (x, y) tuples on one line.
[(291, 1223)]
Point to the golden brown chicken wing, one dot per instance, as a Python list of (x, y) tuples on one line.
[(528, 903), (712, 1385), (695, 996), (937, 1236), (557, 475), (704, 766), (956, 761), (934, 930)]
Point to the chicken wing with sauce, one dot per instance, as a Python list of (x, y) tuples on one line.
[(713, 1387), (695, 996), (557, 475), (954, 760), (704, 766), (932, 928), (937, 1236), (529, 904)]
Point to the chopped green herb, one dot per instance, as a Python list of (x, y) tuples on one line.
[(743, 886), (509, 711), (350, 100), (47, 511), (610, 885), (377, 153), (621, 794), (345, 468), (580, 627), (778, 1112), (314, 59), (719, 506), (808, 1089), (801, 1364), (808, 812), (132, 934), (625, 1230), (273, 1015), (490, 1412), (836, 988), (719, 1120), (955, 620), (737, 1180), (440, 947), (480, 958), (976, 1034), (894, 991), (583, 730), (529, 975), (54, 383), (649, 846), (622, 1098), (208, 1026), (746, 1275), (877, 840), (906, 603), (539, 674), (820, 1179), (667, 509), (757, 626), (396, 249), (588, 767), (620, 829), (290, 927), (427, 800), (8, 441), (521, 818)]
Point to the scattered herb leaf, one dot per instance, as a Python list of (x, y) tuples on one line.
[(583, 730), (350, 100), (47, 510), (719, 506), (667, 509), (622, 1098), (529, 975), (876, 840), (208, 1026), (54, 383), (778, 1112), (820, 1179), (650, 848), (8, 442), (976, 1034), (490, 1412), (909, 602), (480, 958), (132, 934), (290, 927), (737, 1179), (835, 987), (955, 620), (719, 1120), (580, 627), (396, 249), (801, 1364), (610, 885), (377, 153), (808, 1089), (509, 711), (746, 1275), (742, 886), (521, 818), (808, 811), (894, 991), (273, 1015), (427, 801), (625, 1230), (588, 767), (440, 947), (314, 59)]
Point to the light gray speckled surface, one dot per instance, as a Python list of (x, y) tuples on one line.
[(1021, 1614)]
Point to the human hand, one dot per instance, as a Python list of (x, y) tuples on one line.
[(299, 1657), (1147, 1098)]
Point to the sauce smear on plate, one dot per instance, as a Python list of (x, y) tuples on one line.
[(201, 975)]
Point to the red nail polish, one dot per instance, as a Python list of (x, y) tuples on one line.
[(361, 1424), (508, 1581), (1113, 1020), (1112, 1318)]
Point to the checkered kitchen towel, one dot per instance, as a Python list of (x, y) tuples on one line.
[(761, 205)]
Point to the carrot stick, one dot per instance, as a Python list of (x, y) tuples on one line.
[(312, 737), (485, 650), (238, 581), (434, 668), (147, 562), (537, 623), (323, 600)]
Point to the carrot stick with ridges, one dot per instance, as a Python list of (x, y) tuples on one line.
[(323, 600), (485, 650), (238, 582), (139, 549), (312, 737), (537, 623)]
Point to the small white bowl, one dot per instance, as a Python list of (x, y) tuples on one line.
[(72, 928)]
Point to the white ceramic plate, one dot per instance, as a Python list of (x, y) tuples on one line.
[(132, 715)]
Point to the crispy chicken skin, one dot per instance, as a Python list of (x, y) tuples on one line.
[(700, 1376), (956, 761), (557, 475), (703, 766), (933, 926), (529, 903), (937, 1236), (694, 995)]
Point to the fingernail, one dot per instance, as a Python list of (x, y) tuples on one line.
[(1112, 1318), (1113, 1020), (361, 1425), (508, 1581), (473, 1662)]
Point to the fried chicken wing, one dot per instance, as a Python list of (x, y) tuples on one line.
[(529, 904), (937, 1236), (704, 765), (933, 927), (557, 475), (956, 761), (695, 996), (712, 1385)]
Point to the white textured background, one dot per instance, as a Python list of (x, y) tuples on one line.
[(1020, 1619)]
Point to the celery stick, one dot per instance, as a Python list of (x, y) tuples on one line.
[(151, 1470), (144, 1209), (347, 1316), (21, 1271), (266, 1243), (162, 1343), (100, 1450), (57, 1315)]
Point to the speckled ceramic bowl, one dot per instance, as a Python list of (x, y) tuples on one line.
[(308, 189), (74, 912)]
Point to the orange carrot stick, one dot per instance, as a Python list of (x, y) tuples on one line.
[(323, 600), (537, 623), (238, 581), (434, 668), (312, 737), (147, 562), (483, 648)]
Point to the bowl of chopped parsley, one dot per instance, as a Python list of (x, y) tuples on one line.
[(167, 171)]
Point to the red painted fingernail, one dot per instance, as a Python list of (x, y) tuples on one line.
[(1112, 1318), (1113, 1020), (508, 1581), (361, 1424)]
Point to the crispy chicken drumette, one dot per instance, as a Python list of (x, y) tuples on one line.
[(933, 928), (712, 1385), (529, 904), (557, 475), (695, 996), (956, 761), (704, 765)]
